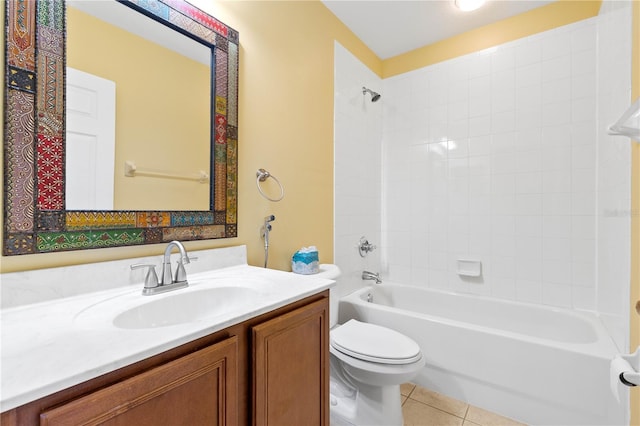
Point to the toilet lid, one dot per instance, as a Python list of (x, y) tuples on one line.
[(370, 342)]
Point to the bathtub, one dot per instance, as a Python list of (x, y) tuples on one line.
[(537, 365)]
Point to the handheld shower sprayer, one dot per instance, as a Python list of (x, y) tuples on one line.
[(375, 96), (266, 228), (264, 232)]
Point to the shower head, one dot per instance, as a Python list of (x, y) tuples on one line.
[(375, 97)]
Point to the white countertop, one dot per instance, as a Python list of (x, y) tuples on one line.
[(49, 346)]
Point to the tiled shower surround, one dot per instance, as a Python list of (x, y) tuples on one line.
[(502, 156), (358, 166)]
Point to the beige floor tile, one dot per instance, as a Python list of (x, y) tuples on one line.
[(487, 418), (406, 389), (442, 402), (418, 414)]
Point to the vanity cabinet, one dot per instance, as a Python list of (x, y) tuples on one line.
[(272, 369)]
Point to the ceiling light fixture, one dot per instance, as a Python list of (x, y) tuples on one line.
[(469, 5)]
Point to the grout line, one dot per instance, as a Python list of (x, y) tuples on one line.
[(440, 409), (464, 417), (412, 389), (410, 393)]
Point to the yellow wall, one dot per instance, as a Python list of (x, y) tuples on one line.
[(162, 108), (286, 119), (635, 209), (534, 21), (285, 126)]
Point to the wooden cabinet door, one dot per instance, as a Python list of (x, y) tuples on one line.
[(290, 368), (197, 389)]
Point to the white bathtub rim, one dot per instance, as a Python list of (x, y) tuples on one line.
[(603, 347)]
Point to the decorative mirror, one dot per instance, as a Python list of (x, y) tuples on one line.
[(35, 141)]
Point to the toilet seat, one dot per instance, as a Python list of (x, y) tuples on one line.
[(373, 343)]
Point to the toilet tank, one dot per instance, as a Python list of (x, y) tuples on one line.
[(332, 272)]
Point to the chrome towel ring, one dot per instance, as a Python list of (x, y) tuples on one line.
[(261, 176)]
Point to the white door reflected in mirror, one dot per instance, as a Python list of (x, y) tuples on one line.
[(90, 150)]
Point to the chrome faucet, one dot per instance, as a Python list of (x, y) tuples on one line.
[(181, 274), (166, 282), (366, 275)]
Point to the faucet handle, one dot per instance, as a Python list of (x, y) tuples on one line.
[(181, 273), (151, 280)]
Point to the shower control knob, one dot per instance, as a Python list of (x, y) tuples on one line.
[(364, 247)]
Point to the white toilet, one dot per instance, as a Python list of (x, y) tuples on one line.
[(368, 364)]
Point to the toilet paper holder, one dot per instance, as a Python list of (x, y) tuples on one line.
[(631, 378)]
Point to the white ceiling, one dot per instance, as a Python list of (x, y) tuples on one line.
[(390, 28)]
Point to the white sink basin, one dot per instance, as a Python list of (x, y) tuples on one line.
[(182, 307)]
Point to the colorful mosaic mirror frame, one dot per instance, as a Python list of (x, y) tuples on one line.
[(35, 220)]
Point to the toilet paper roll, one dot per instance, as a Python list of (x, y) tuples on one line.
[(618, 366)]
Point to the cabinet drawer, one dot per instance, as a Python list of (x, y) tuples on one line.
[(196, 389)]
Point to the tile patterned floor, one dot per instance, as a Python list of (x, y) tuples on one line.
[(422, 407)]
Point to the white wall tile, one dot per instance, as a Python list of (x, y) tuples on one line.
[(557, 226), (503, 80), (583, 227), (583, 62), (556, 90), (357, 148), (528, 291), (528, 182), (556, 271), (503, 59), (556, 44), (509, 161), (584, 157), (557, 294), (584, 84), (556, 181), (529, 75), (503, 288), (529, 51), (612, 168), (556, 158), (479, 126), (556, 113), (528, 119), (556, 68), (584, 298), (529, 97), (583, 109), (584, 37), (556, 204), (502, 100), (479, 65)]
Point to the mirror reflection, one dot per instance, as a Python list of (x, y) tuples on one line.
[(137, 92), (37, 218)]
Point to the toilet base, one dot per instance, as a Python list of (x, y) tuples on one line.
[(369, 405)]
